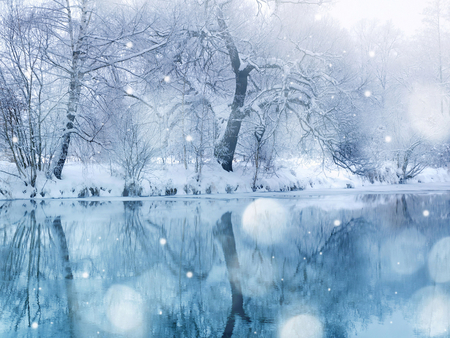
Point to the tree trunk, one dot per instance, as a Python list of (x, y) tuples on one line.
[(74, 97), (77, 47), (224, 150)]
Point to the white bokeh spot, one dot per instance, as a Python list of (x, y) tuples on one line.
[(302, 326), (432, 311), (439, 261), (265, 221), (428, 112), (405, 254), (123, 307)]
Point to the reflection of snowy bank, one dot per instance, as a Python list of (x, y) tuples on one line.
[(94, 180)]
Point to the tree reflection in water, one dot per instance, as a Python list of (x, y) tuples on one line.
[(173, 268), (36, 258), (224, 233)]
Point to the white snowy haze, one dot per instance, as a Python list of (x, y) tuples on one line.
[(407, 15)]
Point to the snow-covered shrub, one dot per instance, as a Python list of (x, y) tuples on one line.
[(133, 145)]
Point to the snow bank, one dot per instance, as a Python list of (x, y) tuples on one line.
[(82, 181)]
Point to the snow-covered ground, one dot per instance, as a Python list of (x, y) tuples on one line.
[(92, 181)]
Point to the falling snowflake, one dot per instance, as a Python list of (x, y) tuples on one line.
[(367, 93), (337, 223), (167, 78), (129, 44), (189, 274), (372, 54), (162, 241), (189, 138), (426, 213), (388, 139)]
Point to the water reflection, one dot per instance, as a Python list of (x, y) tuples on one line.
[(172, 268), (225, 235)]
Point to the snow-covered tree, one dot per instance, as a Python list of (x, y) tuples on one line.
[(87, 43)]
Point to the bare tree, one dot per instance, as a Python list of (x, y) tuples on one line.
[(25, 79), (83, 52), (226, 147)]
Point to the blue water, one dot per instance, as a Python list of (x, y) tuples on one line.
[(325, 266)]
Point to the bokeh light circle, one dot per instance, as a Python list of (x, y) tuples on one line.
[(265, 221), (405, 253), (428, 112), (432, 311), (124, 308), (439, 261), (302, 326)]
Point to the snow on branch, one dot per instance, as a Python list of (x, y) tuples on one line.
[(126, 58)]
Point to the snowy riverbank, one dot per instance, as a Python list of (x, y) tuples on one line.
[(83, 181)]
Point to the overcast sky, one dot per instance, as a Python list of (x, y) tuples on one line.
[(405, 14)]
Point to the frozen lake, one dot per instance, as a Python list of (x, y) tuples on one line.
[(354, 265)]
